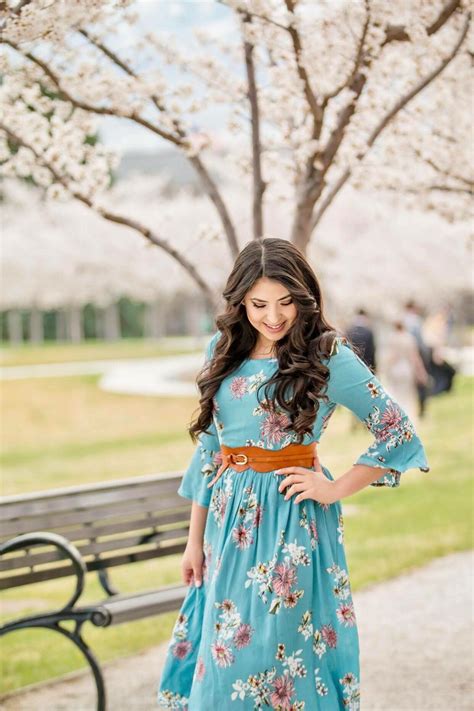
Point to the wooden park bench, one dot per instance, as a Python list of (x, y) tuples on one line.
[(96, 527)]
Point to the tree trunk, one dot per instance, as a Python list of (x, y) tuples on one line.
[(301, 229), (15, 329), (112, 331), (74, 323), (36, 326), (154, 319), (193, 317)]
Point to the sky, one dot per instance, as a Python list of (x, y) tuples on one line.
[(179, 17)]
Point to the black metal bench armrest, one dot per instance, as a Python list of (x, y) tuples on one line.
[(26, 540), (52, 621)]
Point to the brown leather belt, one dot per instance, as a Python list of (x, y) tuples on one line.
[(264, 460)]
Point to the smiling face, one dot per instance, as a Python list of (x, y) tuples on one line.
[(269, 303)]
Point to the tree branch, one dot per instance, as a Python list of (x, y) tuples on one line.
[(445, 173), (328, 198), (359, 57), (358, 81), (400, 104), (264, 18), (433, 188), (311, 99), (398, 33), (208, 183), (146, 232), (90, 108), (179, 141), (258, 183)]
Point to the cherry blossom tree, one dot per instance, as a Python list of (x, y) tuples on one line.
[(315, 95)]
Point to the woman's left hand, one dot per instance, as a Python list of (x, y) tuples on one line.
[(308, 484)]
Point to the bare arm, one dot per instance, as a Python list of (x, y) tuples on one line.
[(197, 523), (356, 478)]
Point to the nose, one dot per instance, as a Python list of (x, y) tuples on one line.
[(274, 317)]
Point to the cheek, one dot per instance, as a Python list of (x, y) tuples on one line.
[(255, 316), (292, 315)]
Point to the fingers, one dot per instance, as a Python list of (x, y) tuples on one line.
[(292, 478), (198, 577), (295, 488), (190, 574)]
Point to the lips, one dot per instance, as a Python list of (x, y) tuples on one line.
[(276, 330)]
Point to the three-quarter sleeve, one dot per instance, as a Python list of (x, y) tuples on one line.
[(396, 445), (205, 460)]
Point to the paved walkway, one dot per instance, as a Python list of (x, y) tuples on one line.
[(167, 375), (416, 651)]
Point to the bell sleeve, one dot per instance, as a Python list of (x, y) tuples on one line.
[(205, 460), (396, 445)]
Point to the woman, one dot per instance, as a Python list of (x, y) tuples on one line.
[(405, 369), (268, 620)]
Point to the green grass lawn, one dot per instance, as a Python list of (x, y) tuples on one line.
[(64, 431), (61, 352)]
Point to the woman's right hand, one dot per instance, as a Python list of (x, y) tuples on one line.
[(192, 563)]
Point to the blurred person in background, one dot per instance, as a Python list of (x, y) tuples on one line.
[(437, 334), (405, 369), (361, 335), (413, 323)]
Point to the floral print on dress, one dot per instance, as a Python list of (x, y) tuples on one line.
[(271, 688), (172, 701), (340, 529), (310, 526), (250, 517), (321, 688), (279, 578), (207, 562), (220, 500), (230, 632), (238, 387), (273, 426), (341, 588), (351, 690), (181, 646), (342, 591), (200, 670), (321, 638)]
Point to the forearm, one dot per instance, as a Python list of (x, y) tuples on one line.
[(356, 478), (197, 523)]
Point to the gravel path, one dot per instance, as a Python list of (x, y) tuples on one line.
[(416, 651)]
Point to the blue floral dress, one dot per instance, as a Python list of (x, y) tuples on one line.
[(273, 624)]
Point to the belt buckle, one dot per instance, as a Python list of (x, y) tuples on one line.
[(245, 460)]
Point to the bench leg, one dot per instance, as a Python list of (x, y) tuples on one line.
[(80, 643)]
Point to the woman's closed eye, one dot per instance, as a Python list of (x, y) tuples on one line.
[(262, 307)]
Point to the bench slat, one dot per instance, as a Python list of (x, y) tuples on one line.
[(139, 521), (125, 609), (12, 581), (166, 500), (20, 559), (86, 500)]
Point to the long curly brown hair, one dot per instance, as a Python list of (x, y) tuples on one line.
[(301, 372)]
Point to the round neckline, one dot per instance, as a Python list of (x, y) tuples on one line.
[(267, 358)]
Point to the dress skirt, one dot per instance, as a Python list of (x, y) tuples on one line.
[(273, 624)]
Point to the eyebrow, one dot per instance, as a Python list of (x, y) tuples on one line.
[(281, 299)]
